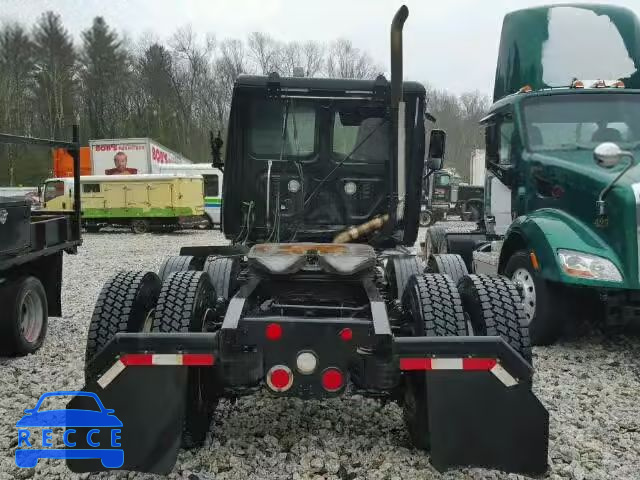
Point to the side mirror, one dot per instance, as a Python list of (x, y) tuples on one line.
[(437, 142), (216, 148), (607, 155)]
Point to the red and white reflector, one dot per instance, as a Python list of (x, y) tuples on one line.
[(492, 365), (155, 359), (279, 378)]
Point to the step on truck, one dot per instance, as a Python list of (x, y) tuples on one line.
[(319, 291), (32, 245), (563, 186)]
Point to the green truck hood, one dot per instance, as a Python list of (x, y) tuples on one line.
[(577, 182)]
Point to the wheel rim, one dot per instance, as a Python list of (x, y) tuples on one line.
[(147, 325), (524, 279), (31, 312), (426, 218)]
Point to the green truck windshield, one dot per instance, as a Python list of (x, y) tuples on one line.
[(582, 121), (442, 180)]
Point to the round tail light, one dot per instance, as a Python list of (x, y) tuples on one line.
[(273, 332), (280, 378), (346, 334), (306, 362), (332, 379)]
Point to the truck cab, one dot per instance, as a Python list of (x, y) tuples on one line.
[(562, 215)]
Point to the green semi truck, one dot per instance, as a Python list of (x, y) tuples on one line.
[(562, 192)]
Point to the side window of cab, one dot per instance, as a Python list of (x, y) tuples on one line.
[(499, 139), (499, 131)]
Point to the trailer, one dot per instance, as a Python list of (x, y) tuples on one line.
[(318, 291), (130, 156), (32, 244)]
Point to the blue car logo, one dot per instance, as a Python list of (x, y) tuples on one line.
[(96, 420)]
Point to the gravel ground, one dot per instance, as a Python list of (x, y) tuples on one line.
[(590, 383)]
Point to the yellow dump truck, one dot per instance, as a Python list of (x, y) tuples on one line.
[(142, 202)]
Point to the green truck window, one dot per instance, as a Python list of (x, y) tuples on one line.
[(581, 122), (90, 188), (504, 138)]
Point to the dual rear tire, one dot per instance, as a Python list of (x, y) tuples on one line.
[(139, 301), (435, 306)]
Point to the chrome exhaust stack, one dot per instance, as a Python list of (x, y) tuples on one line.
[(398, 107)]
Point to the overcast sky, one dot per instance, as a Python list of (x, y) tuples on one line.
[(450, 44)]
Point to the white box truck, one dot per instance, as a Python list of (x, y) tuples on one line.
[(130, 156)]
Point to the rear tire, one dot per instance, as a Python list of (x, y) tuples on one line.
[(223, 273), (433, 307), (24, 318), (495, 309), (475, 210), (435, 241), (125, 304), (545, 307), (139, 226), (187, 304), (447, 264), (426, 218), (176, 263), (399, 270)]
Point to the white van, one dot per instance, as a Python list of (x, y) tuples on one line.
[(212, 185)]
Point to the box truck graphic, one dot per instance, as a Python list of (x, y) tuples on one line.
[(130, 156)]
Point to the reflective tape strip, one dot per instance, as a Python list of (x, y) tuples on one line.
[(468, 364), (110, 375), (413, 364), (504, 376), (446, 364), (155, 359), (166, 359)]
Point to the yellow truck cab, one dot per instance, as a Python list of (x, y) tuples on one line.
[(142, 202)]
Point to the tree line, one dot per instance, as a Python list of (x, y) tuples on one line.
[(174, 91)]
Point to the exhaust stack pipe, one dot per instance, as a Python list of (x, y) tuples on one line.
[(398, 105), (396, 55)]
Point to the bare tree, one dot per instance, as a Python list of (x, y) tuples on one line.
[(264, 51), (346, 61), (312, 58)]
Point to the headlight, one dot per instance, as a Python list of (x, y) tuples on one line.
[(583, 265)]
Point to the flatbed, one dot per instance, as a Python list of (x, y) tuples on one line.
[(32, 243)]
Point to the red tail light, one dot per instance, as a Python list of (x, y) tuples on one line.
[(346, 334), (273, 332), (279, 378), (332, 380)]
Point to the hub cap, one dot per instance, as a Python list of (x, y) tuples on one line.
[(524, 280), (31, 312)]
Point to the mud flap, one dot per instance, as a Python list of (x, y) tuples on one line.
[(475, 420), (150, 403)]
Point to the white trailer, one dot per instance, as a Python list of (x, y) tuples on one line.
[(477, 167), (121, 156)]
